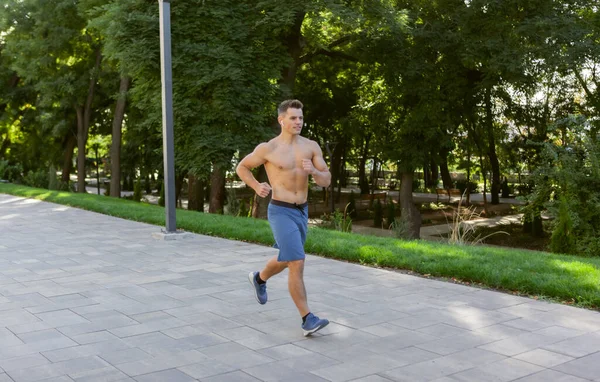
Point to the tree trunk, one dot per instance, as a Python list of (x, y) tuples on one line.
[(485, 205), (409, 211), (445, 172), (293, 41), (217, 190), (426, 174), (468, 178), (494, 163), (115, 148), (362, 177), (195, 193), (374, 175), (5, 143), (70, 144), (344, 176), (259, 205), (83, 123), (81, 143), (434, 174)]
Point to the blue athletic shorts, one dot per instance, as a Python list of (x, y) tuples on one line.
[(289, 223)]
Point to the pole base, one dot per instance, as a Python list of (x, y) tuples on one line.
[(169, 236)]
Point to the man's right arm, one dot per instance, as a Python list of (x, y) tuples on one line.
[(252, 160)]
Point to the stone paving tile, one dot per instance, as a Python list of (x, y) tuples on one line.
[(519, 344), (456, 343), (544, 358), (124, 356), (23, 362), (242, 359), (277, 372), (115, 304), (236, 376), (577, 346), (372, 378), (8, 338), (286, 351), (152, 365), (357, 368), (502, 371), (172, 375), (207, 368), (85, 350), (36, 347), (90, 338), (585, 367), (551, 376), (106, 374), (57, 369)]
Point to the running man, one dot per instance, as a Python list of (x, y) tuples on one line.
[(289, 159)]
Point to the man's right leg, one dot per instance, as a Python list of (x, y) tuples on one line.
[(258, 280)]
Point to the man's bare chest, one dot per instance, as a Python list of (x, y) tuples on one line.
[(288, 159)]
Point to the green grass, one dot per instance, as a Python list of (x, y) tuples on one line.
[(569, 279)]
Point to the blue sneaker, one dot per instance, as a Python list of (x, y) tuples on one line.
[(313, 323), (260, 290)]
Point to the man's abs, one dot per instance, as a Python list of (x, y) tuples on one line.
[(289, 185)]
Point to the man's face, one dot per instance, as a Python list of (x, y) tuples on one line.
[(292, 121)]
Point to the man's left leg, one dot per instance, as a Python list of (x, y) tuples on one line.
[(296, 286), (310, 322)]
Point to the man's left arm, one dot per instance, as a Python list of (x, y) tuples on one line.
[(317, 167)]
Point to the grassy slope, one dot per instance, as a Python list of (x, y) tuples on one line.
[(567, 278)]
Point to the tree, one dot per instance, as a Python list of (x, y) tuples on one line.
[(567, 184), (51, 49)]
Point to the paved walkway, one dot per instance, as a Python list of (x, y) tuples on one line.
[(436, 232), (88, 297)]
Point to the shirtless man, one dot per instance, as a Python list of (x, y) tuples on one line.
[(289, 159)]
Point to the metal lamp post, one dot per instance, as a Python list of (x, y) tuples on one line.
[(167, 113)]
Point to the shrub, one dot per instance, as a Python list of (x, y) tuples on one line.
[(505, 189), (3, 167), (137, 191), (161, 199), (378, 214), (233, 203), (390, 212), (352, 206), (462, 185), (244, 209), (53, 182), (524, 189), (12, 173), (401, 227), (337, 221), (416, 185), (37, 179), (562, 235), (567, 185)]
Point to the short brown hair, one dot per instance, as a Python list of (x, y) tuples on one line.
[(289, 104)]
